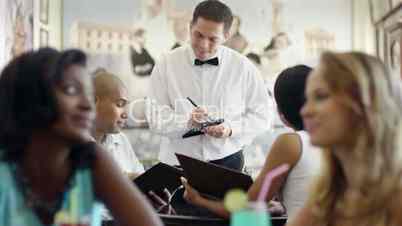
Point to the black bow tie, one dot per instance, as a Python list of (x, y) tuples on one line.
[(213, 61)]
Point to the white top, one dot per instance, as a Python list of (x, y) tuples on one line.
[(120, 148), (233, 90), (297, 186)]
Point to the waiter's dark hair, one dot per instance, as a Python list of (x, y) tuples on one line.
[(213, 10)]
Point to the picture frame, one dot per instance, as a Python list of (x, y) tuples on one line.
[(17, 25), (44, 11), (395, 3), (394, 48), (395, 54), (381, 43), (43, 38), (378, 9)]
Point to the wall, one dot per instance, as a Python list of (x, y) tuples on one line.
[(362, 27), (16, 28), (54, 27), (111, 12), (256, 15), (3, 57), (31, 26)]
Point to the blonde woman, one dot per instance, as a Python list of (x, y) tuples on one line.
[(352, 113)]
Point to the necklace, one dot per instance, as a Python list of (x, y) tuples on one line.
[(33, 200)]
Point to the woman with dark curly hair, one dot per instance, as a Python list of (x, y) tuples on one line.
[(50, 171)]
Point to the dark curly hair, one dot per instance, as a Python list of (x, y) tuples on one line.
[(27, 99), (289, 93), (214, 10)]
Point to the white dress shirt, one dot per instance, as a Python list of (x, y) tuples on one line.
[(233, 90), (120, 148), (122, 152)]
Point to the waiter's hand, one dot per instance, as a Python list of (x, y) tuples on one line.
[(198, 116), (218, 131)]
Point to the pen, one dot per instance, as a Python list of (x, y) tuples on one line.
[(195, 105), (192, 102)]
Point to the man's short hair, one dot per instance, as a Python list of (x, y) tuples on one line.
[(213, 10), (105, 83)]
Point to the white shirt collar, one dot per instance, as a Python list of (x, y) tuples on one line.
[(192, 57), (109, 139)]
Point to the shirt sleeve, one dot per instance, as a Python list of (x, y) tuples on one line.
[(160, 113), (136, 166), (255, 120)]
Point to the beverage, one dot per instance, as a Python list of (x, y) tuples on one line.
[(235, 199), (79, 224), (255, 214)]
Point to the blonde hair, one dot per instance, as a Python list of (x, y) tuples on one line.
[(367, 89)]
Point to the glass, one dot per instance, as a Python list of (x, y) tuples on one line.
[(256, 214)]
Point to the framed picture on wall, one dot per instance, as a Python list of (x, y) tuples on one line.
[(43, 38), (395, 54), (378, 9), (44, 11), (394, 47), (17, 28), (381, 43), (395, 3)]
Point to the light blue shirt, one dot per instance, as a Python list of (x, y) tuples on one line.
[(79, 204)]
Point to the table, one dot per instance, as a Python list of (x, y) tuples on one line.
[(176, 220)]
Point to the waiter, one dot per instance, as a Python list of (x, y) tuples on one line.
[(224, 83)]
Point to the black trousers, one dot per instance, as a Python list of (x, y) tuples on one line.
[(234, 161)]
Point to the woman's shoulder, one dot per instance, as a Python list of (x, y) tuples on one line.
[(287, 148), (289, 142)]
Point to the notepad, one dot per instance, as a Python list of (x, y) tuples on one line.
[(211, 179), (159, 177), (199, 130)]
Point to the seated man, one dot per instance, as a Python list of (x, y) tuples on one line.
[(111, 98)]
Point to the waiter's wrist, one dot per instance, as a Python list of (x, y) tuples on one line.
[(228, 129), (227, 133)]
